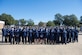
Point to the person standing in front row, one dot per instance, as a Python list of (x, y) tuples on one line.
[(65, 35), (58, 35), (4, 32), (24, 31), (8, 35), (17, 35), (76, 34), (30, 37), (12, 35)]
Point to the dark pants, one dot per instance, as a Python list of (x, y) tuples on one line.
[(76, 38), (30, 39), (17, 40), (57, 39), (7, 38), (24, 39), (2, 38), (12, 40), (65, 40)]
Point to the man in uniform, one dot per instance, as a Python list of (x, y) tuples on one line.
[(4, 33), (24, 32), (76, 34), (47, 35), (61, 35), (41, 36), (65, 35), (44, 36), (52, 36), (72, 34), (54, 31), (12, 36), (17, 35), (58, 35), (7, 38), (68, 35), (36, 36), (30, 38)]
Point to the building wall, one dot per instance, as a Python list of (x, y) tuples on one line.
[(1, 25)]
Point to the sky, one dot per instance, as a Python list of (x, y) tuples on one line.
[(40, 10)]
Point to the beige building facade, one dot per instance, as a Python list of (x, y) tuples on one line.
[(2, 23)]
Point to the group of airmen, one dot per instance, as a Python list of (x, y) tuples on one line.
[(39, 35)]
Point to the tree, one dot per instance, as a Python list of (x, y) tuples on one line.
[(74, 20), (41, 23), (58, 19), (22, 22), (16, 22), (50, 23), (67, 20), (56, 22), (30, 22), (81, 19), (70, 20), (9, 20)]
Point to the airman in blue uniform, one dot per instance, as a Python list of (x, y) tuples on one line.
[(58, 35), (76, 34), (24, 31), (4, 33), (12, 36), (52, 36), (41, 36), (8, 35), (61, 35), (65, 35), (47, 35), (30, 37), (17, 35), (72, 34)]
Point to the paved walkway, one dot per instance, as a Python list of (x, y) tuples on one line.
[(69, 49)]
